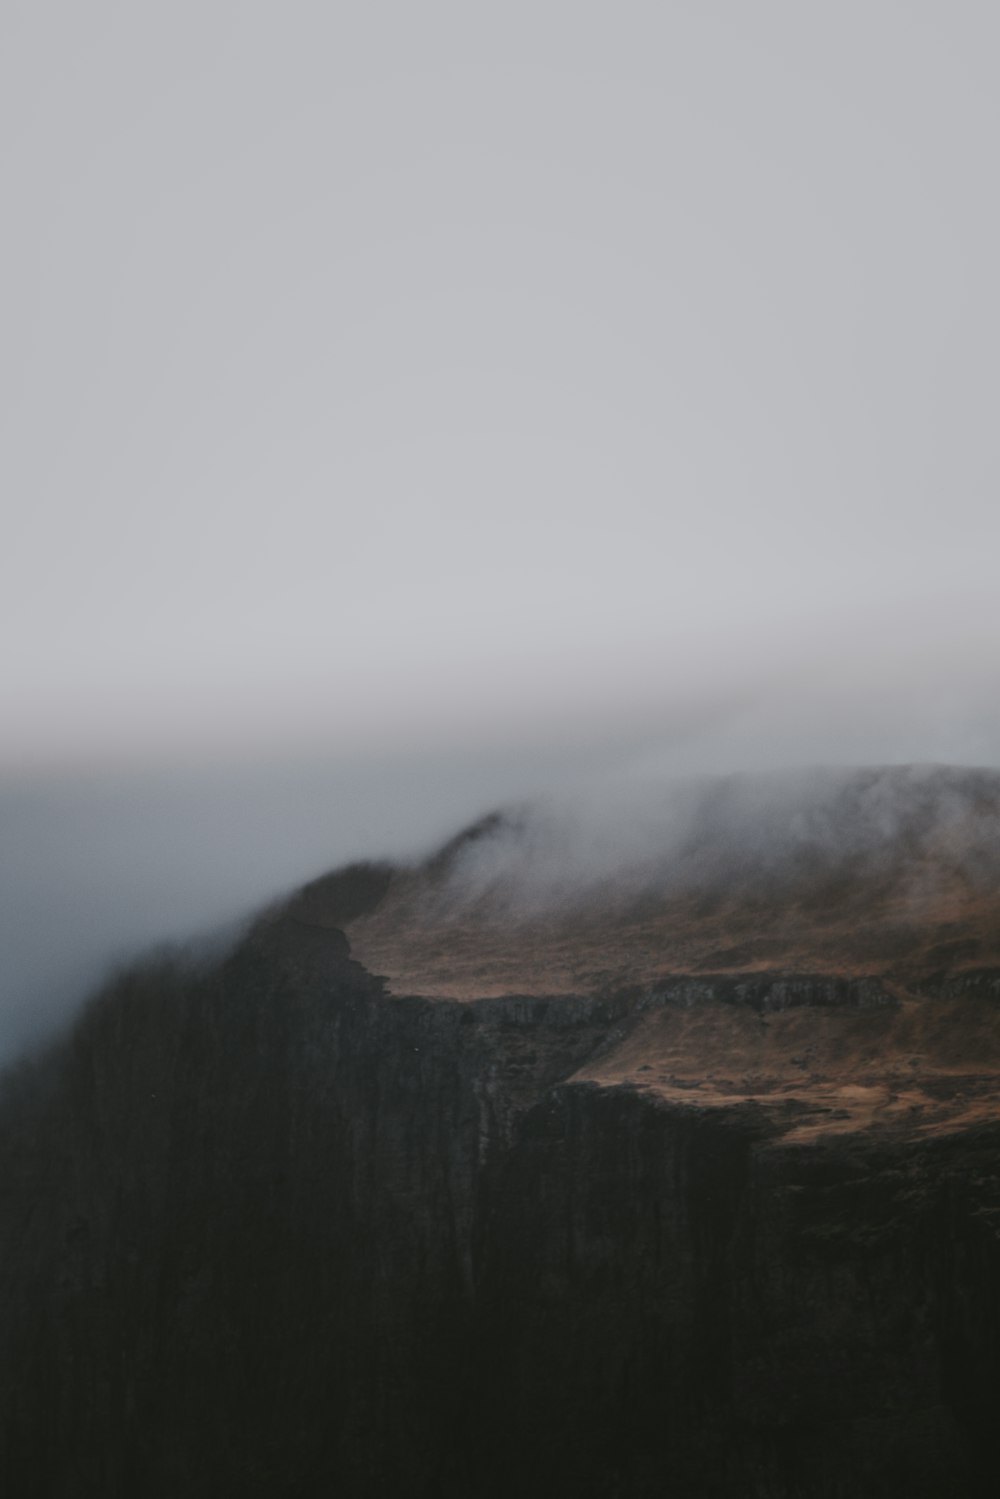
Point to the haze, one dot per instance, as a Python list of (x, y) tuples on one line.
[(408, 407)]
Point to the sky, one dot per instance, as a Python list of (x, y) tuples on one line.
[(402, 406)]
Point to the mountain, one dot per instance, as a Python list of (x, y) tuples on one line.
[(628, 1146), (889, 871)]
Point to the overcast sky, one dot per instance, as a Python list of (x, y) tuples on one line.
[(408, 405), (444, 371)]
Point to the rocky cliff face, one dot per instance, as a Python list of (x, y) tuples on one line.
[(269, 1229)]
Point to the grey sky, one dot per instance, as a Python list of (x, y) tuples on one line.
[(408, 406), (443, 372)]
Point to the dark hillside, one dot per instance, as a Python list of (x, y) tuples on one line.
[(267, 1229)]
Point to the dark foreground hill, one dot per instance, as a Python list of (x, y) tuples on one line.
[(658, 1164)]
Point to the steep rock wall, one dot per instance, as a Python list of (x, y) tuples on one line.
[(265, 1231)]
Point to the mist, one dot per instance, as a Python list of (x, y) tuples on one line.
[(409, 411), (637, 836), (96, 865)]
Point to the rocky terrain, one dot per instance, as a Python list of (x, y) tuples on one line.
[(645, 1152)]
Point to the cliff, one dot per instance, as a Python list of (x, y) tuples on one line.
[(269, 1228)]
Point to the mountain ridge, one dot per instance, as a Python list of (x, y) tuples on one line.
[(269, 1228)]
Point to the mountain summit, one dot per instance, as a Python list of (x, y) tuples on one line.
[(891, 871), (805, 920), (627, 1147)]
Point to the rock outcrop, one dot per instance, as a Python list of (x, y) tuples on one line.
[(269, 1228)]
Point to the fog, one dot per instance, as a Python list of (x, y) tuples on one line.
[(410, 409), (636, 835), (95, 867), (380, 371)]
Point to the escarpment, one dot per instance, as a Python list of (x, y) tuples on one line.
[(278, 1227)]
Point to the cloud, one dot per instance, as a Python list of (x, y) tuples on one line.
[(632, 835)]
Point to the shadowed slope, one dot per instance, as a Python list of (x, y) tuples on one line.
[(267, 1229)]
